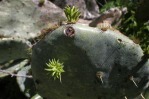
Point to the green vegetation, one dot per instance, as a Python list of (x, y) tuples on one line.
[(137, 31), (56, 68), (72, 14), (119, 4)]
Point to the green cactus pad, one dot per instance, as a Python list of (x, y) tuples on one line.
[(26, 18), (98, 64), (13, 48)]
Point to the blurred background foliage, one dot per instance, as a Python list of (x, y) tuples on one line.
[(133, 24)]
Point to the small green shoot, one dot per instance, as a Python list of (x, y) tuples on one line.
[(56, 68), (72, 14)]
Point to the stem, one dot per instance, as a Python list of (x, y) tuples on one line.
[(99, 3), (105, 1), (15, 75)]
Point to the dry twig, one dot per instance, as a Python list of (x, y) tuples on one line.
[(16, 75)]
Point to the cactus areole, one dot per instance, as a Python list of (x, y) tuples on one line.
[(98, 65)]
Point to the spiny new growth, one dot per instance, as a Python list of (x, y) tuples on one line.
[(72, 14), (56, 68)]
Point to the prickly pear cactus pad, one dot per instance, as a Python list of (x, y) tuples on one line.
[(25, 18), (13, 49), (98, 65), (26, 85)]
